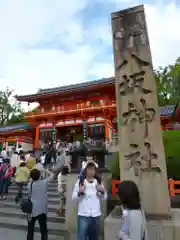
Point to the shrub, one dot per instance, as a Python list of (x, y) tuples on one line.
[(172, 153)]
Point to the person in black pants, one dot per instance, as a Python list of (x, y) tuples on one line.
[(37, 190), (42, 219)]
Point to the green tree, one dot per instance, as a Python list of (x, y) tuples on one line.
[(168, 84), (10, 110), (172, 152), (162, 84), (174, 76)]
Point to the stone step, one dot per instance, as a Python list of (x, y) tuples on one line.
[(54, 183), (52, 200), (51, 188), (21, 235), (13, 192), (11, 204), (21, 224), (13, 219), (17, 213)]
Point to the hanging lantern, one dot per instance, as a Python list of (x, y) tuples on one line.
[(54, 134), (84, 126)]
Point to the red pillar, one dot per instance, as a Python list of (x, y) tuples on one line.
[(36, 142)]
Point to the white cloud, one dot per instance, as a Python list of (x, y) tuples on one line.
[(30, 22), (48, 68), (163, 24), (26, 23)]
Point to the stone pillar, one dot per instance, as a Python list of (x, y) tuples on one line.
[(141, 146)]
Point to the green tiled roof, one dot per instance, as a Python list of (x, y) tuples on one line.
[(15, 127)]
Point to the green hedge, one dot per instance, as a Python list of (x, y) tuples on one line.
[(172, 153)]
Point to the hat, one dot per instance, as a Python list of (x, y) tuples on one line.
[(91, 162)]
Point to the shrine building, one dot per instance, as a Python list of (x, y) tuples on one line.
[(64, 111)]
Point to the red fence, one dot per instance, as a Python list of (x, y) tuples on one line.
[(172, 187)]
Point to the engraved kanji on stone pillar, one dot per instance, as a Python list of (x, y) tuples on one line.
[(142, 157), (133, 82)]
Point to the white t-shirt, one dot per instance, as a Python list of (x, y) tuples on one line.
[(62, 179), (89, 203), (15, 160), (58, 145), (39, 167), (78, 144), (67, 161), (4, 154), (42, 158)]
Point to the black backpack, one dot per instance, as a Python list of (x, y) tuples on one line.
[(26, 204)]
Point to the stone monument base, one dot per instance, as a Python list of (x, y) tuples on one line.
[(159, 228)]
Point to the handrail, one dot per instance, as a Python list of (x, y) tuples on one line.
[(171, 183), (172, 187)]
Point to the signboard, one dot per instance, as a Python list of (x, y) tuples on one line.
[(54, 134)]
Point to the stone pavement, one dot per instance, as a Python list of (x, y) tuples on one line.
[(8, 234)]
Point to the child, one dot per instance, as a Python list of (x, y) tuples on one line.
[(134, 222), (62, 181), (89, 210), (82, 172)]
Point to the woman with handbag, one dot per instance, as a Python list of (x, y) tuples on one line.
[(134, 222)]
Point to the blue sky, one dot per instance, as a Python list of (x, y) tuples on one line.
[(48, 43)]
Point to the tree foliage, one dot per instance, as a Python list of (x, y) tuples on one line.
[(168, 84), (10, 110), (172, 153)]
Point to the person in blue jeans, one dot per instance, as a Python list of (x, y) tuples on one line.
[(6, 172), (88, 196)]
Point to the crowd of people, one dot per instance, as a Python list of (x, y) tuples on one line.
[(25, 169)]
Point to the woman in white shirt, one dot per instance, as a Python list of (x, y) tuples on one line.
[(89, 211)]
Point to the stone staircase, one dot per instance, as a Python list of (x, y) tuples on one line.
[(12, 218)]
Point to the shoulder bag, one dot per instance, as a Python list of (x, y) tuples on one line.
[(26, 204)]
